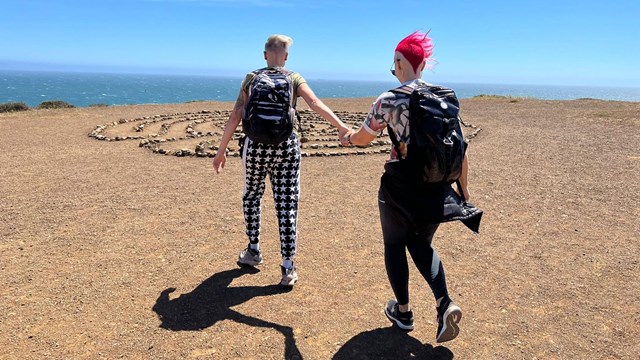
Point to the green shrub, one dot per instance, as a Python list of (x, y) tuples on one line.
[(13, 106), (54, 104), (98, 105)]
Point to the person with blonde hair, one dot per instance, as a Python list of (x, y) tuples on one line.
[(278, 43), (266, 106), (411, 204)]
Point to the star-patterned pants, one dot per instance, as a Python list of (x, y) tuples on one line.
[(282, 163)]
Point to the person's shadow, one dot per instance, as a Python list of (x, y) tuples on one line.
[(212, 301), (389, 343)]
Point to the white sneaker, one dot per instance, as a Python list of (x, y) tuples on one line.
[(249, 257), (289, 276)]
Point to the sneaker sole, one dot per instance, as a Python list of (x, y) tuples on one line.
[(397, 322), (251, 264), (450, 329)]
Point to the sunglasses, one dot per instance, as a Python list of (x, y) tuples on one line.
[(393, 68)]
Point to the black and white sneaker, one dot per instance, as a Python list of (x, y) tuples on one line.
[(404, 320), (449, 315), (249, 257), (289, 276)]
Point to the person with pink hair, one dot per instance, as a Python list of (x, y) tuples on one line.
[(411, 212)]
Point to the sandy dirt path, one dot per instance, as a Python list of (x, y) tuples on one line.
[(111, 251)]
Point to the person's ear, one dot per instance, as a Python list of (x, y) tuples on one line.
[(265, 55), (423, 65), (286, 56)]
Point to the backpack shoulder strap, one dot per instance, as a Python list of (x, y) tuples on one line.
[(402, 90), (406, 90), (255, 77), (394, 139)]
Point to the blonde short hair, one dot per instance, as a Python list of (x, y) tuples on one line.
[(278, 43)]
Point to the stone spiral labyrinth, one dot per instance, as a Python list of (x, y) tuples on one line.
[(199, 133)]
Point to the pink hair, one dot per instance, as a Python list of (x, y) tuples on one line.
[(415, 48)]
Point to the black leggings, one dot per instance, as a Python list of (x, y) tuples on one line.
[(399, 235)]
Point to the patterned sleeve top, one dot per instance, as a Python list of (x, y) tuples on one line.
[(391, 109)]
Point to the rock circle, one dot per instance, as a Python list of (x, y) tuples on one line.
[(198, 134)]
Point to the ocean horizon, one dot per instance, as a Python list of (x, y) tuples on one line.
[(85, 89)]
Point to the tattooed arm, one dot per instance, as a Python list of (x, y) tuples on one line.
[(374, 123)]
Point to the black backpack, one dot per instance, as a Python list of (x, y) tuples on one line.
[(436, 145), (268, 115)]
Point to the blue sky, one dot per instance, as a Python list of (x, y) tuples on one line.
[(523, 42)]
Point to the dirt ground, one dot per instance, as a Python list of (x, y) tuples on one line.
[(109, 250)]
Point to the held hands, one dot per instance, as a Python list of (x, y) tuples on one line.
[(343, 135), (219, 160)]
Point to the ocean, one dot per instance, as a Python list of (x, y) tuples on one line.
[(84, 89)]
